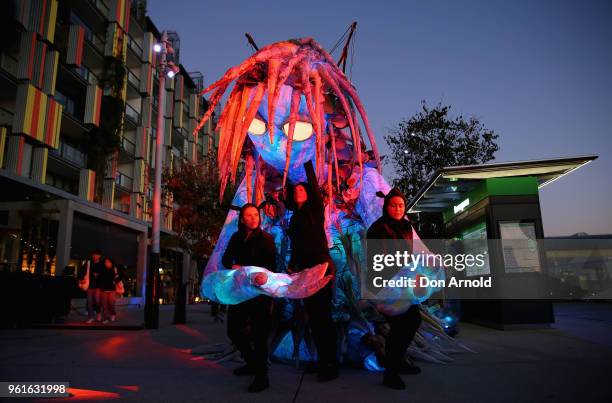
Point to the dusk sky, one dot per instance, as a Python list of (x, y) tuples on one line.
[(539, 73)]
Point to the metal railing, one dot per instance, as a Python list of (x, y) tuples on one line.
[(6, 117), (87, 74), (67, 102), (123, 207), (90, 36), (134, 46), (128, 146), (132, 113), (70, 153), (101, 6), (133, 79), (96, 42), (124, 181), (9, 63)]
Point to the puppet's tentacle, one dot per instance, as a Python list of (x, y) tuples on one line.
[(238, 285)]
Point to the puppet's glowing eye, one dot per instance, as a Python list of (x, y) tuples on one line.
[(302, 131), (257, 127)]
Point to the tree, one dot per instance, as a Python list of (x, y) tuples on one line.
[(200, 215), (103, 141), (431, 140)]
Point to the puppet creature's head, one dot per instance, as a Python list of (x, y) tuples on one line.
[(288, 102), (274, 150)]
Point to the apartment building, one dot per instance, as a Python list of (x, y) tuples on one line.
[(72, 62)]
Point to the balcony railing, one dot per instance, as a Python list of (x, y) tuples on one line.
[(9, 63), (124, 181), (6, 117), (134, 46), (132, 113), (68, 103), (101, 6), (90, 36), (128, 146), (70, 153), (135, 81), (95, 41), (123, 207), (84, 72)]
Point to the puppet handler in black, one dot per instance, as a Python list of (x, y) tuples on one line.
[(309, 248), (395, 228), (249, 322)]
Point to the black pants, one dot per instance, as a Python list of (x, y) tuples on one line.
[(403, 329), (248, 327), (319, 310)]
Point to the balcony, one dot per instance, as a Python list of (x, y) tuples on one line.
[(123, 207), (72, 121), (6, 117), (62, 182), (71, 154), (132, 114), (67, 102), (124, 181), (101, 6), (132, 79), (128, 146), (87, 75), (134, 46), (177, 138), (95, 41), (9, 63), (133, 88)]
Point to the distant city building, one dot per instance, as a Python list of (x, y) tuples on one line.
[(580, 265), (54, 206)]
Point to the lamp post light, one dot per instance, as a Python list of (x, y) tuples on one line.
[(152, 286)]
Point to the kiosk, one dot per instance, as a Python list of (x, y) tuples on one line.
[(499, 201)]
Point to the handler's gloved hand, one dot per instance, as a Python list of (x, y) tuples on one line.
[(259, 279)]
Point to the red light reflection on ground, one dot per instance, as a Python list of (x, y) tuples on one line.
[(192, 332), (87, 394), (131, 388), (110, 348)]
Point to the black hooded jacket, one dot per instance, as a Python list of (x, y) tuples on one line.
[(307, 227), (389, 228), (387, 236), (254, 249)]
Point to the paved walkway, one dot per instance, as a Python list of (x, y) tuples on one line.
[(571, 362)]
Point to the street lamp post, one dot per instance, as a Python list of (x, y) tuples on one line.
[(152, 286)]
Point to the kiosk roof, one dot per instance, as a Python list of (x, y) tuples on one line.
[(450, 184)]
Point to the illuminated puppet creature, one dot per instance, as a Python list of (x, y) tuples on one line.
[(290, 104)]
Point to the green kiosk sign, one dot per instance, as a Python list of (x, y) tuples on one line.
[(493, 187), (499, 202)]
